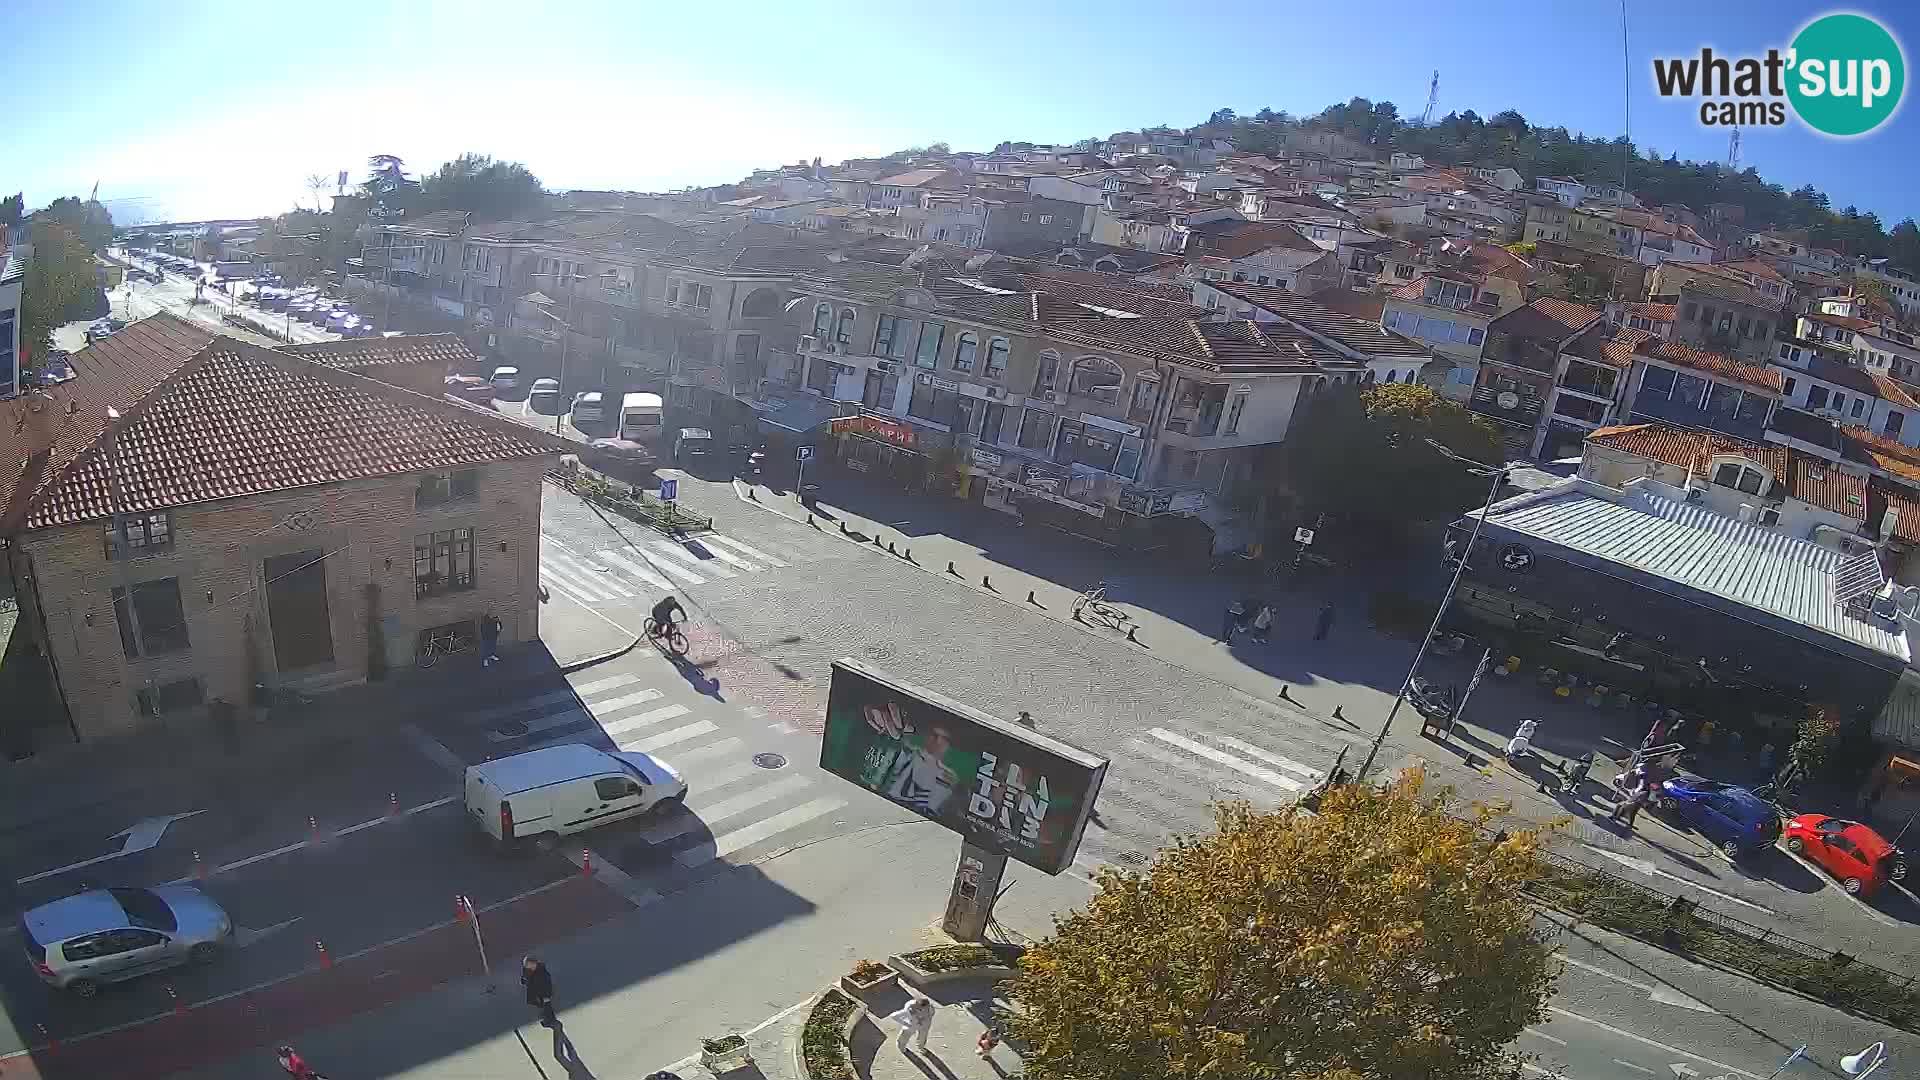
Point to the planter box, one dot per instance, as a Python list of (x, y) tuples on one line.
[(728, 1060), (864, 992), (922, 978)]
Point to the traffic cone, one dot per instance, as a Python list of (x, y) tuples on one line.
[(459, 909), (313, 830), (53, 1044), (393, 804), (199, 868), (326, 958), (179, 1007), (586, 862)]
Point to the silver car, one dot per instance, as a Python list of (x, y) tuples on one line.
[(106, 935)]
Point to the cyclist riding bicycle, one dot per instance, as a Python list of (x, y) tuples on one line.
[(663, 613)]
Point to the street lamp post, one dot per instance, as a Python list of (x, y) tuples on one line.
[(1499, 475)]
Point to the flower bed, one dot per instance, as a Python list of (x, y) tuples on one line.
[(823, 1040)]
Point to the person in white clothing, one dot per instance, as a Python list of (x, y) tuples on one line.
[(916, 1019)]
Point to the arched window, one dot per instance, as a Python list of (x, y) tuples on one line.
[(1146, 395), (761, 304), (1047, 374), (965, 351), (1096, 377), (997, 358), (844, 335), (822, 321)]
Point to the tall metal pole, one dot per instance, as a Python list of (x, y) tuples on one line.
[(1459, 571), (116, 503)]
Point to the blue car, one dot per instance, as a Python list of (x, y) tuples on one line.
[(1732, 818)]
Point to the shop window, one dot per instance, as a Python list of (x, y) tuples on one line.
[(932, 404), (1036, 429)]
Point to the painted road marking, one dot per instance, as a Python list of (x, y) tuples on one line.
[(244, 936), (501, 712), (576, 586), (1646, 867), (1635, 1068), (711, 750), (1240, 765), (606, 873), (608, 683), (1656, 992), (668, 738), (138, 838), (724, 555), (599, 575), (603, 710), (1538, 1034), (1558, 1011), (663, 566), (725, 845), (749, 550), (1269, 757), (739, 771), (262, 857), (645, 719), (642, 572), (706, 566), (564, 589), (691, 820), (1211, 781)]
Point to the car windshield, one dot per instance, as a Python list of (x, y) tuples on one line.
[(144, 908), (1707, 787)]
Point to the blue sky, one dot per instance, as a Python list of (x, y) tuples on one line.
[(218, 109)]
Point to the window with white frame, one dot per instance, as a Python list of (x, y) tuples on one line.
[(966, 351), (927, 355), (844, 333), (1046, 373), (1234, 408), (996, 358), (1146, 395), (1741, 475), (1096, 377), (822, 321)]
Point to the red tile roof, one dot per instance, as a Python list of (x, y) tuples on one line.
[(435, 350), (1659, 313), (1859, 444), (234, 419), (1546, 318), (1826, 486), (1686, 449), (1678, 354), (111, 373)]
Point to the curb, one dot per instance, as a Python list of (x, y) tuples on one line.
[(572, 666)]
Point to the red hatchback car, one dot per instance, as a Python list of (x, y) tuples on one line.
[(1862, 859)]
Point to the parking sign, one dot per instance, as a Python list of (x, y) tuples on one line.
[(803, 453), (669, 490)]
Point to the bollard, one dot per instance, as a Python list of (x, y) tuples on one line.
[(393, 804), (179, 1007), (985, 583), (459, 909), (843, 528), (1337, 714), (909, 555), (313, 830), (951, 570), (752, 494), (326, 958), (876, 538), (1132, 630), (1284, 696), (53, 1044), (199, 868), (586, 862), (890, 550), (1030, 598), (810, 522)]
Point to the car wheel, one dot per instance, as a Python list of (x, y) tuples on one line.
[(670, 804), (1853, 886), (83, 988), (1899, 870), (1731, 849), (1796, 845), (546, 841), (1664, 804)]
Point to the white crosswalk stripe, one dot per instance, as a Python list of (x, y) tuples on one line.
[(692, 820), (1270, 757), (686, 759), (724, 555), (668, 738), (631, 566), (570, 590), (676, 552), (662, 565), (580, 582), (728, 843), (645, 719), (583, 570), (751, 552), (1240, 765)]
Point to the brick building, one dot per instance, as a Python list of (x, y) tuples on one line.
[(194, 515)]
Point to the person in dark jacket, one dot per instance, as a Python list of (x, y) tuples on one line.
[(539, 983), (489, 641), (1323, 622)]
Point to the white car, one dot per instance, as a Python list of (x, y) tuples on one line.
[(545, 392), (555, 791), (505, 379)]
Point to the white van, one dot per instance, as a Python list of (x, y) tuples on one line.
[(555, 791), (640, 417), (589, 408)]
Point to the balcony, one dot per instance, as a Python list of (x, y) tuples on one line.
[(1583, 412), (1590, 381), (1518, 406)]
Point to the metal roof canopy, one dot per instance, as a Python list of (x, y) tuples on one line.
[(1740, 569)]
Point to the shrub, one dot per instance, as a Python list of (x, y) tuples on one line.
[(821, 1047)]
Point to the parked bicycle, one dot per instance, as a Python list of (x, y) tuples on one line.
[(674, 639), (435, 646), (1094, 602)]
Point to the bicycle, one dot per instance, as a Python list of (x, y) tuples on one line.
[(437, 645), (1094, 600), (676, 641)]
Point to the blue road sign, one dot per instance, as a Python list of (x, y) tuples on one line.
[(803, 453), (669, 490)]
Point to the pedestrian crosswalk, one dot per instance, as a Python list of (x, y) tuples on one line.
[(1164, 782), (735, 807), (645, 568)]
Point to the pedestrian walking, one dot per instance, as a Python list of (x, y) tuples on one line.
[(1323, 622), (539, 983), (489, 641), (916, 1019), (1263, 623)]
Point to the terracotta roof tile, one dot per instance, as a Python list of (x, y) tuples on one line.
[(1367, 307), (1357, 334), (1891, 455), (353, 354), (1546, 318), (236, 420), (1828, 487), (1686, 449), (1659, 313), (1712, 363)]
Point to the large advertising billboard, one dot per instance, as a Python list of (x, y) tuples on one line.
[(1001, 786)]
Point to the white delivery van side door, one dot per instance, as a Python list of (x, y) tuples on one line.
[(613, 796)]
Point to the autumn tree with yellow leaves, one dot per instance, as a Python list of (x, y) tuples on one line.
[(1383, 938)]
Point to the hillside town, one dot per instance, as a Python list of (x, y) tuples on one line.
[(1502, 446)]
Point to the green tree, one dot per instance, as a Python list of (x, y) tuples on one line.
[(488, 189), (1363, 459), (89, 221), (1382, 938), (12, 209), (387, 186), (60, 285)]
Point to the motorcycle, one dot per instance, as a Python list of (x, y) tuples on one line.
[(1435, 704)]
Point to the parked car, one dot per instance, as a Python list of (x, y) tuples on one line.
[(544, 395), (589, 408), (107, 935), (555, 791), (1859, 857), (99, 329), (1732, 818), (504, 380)]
